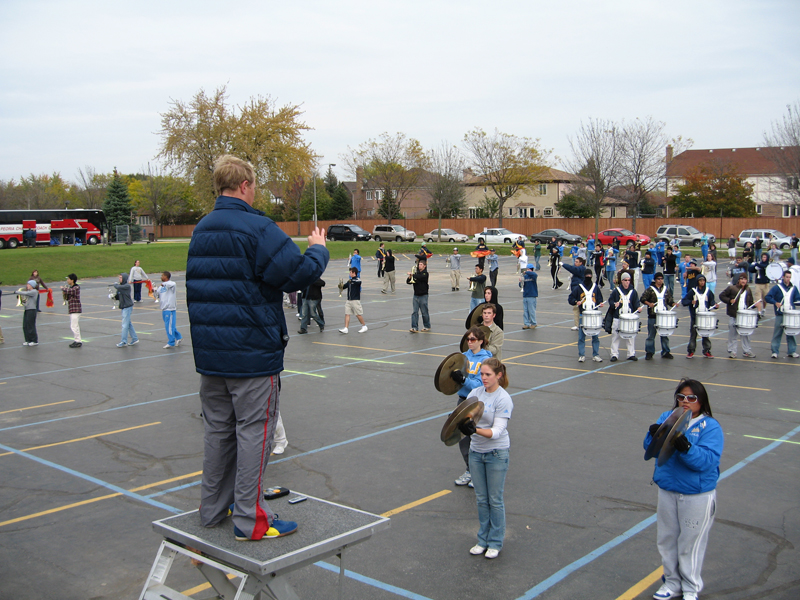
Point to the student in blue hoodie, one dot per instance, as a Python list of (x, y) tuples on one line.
[(687, 497)]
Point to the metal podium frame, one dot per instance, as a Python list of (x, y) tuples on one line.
[(325, 529)]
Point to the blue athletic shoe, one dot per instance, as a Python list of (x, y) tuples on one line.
[(280, 528)]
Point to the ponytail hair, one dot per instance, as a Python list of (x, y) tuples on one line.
[(498, 368)]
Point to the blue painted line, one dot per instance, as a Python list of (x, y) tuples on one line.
[(95, 480), (99, 412), (572, 567), (175, 489), (373, 582)]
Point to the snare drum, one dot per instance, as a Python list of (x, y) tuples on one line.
[(746, 321), (705, 323), (666, 322), (592, 322), (629, 325), (791, 322)]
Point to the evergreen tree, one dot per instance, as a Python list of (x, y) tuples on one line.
[(389, 208), (117, 206), (340, 206), (331, 182)]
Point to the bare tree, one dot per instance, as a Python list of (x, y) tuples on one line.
[(507, 163), (392, 164), (783, 149), (446, 188), (596, 157), (92, 187), (642, 166)]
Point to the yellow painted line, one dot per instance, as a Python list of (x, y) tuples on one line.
[(642, 585), (202, 587), (547, 367), (388, 362), (789, 409), (304, 373), (415, 503), (98, 499), (37, 406), (88, 437), (755, 437), (740, 387)]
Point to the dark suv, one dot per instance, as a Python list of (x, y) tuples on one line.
[(348, 233)]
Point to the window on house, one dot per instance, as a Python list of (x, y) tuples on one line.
[(543, 189), (759, 209), (510, 212), (369, 194), (473, 212), (145, 220), (369, 213), (378, 195), (613, 212), (788, 211), (548, 212), (523, 213), (792, 183)]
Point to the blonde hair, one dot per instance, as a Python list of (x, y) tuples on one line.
[(498, 368), (230, 172)]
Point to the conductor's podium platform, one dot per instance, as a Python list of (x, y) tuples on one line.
[(324, 529)]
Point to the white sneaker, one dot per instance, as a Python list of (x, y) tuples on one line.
[(477, 550), (33, 343), (279, 449), (665, 593), (464, 479), (690, 597), (774, 355), (491, 553), (168, 346), (24, 343), (363, 329), (581, 359), (597, 359), (793, 355), (178, 342), (574, 328), (343, 330)]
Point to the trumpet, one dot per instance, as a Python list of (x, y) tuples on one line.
[(341, 286), (22, 300), (413, 272), (112, 295), (447, 261), (472, 286), (64, 293)]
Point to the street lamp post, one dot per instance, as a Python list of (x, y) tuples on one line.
[(315, 195)]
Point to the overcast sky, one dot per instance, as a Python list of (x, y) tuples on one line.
[(82, 83)]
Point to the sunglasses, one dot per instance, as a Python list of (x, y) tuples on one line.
[(472, 339), (691, 398)]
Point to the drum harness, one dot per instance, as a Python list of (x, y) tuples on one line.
[(588, 303), (702, 299), (659, 298)]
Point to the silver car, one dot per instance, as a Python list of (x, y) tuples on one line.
[(396, 233), (686, 235), (751, 235), (448, 235)]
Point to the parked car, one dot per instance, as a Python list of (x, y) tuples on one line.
[(398, 233), (686, 234), (448, 235), (348, 232), (751, 235), (499, 235), (546, 235), (625, 236)]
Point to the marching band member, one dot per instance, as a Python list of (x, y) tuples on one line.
[(168, 295), (380, 255), (589, 298), (28, 298), (687, 497), (578, 271), (476, 353), (700, 298), (656, 297), (137, 277), (455, 270), (623, 300), (72, 294), (490, 295), (477, 284), (737, 297), (488, 456), (783, 296)]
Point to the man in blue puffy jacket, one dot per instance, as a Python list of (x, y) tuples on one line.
[(240, 263)]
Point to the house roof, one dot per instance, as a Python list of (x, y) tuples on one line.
[(749, 161), (549, 175)]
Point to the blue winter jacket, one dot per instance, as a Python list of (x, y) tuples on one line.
[(697, 470), (240, 263)]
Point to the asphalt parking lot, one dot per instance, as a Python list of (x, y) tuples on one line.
[(98, 442)]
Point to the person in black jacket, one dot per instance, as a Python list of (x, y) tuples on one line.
[(388, 272), (699, 298), (420, 299), (312, 301), (491, 295)]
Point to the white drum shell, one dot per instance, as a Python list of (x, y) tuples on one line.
[(791, 322), (629, 325), (775, 271), (705, 322), (592, 322), (746, 321), (666, 322)]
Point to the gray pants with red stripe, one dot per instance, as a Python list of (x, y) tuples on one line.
[(240, 417)]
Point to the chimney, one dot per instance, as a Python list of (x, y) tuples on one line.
[(669, 153)]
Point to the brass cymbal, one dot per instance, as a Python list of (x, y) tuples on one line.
[(679, 428), (486, 331), (471, 408), (661, 434), (476, 315), (442, 380)]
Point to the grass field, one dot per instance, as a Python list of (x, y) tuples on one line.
[(54, 263)]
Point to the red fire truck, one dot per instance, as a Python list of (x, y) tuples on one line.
[(52, 226)]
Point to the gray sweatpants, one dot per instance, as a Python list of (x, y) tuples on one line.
[(684, 521), (733, 338), (240, 417)]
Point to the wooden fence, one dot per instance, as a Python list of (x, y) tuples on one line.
[(721, 228)]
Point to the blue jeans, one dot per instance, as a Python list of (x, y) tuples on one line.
[(488, 472), (137, 292), (311, 311), (582, 342), (536, 262), (127, 326), (610, 276), (670, 280), (171, 325), (650, 343), (420, 304), (473, 302), (791, 341), (529, 311), (647, 279)]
